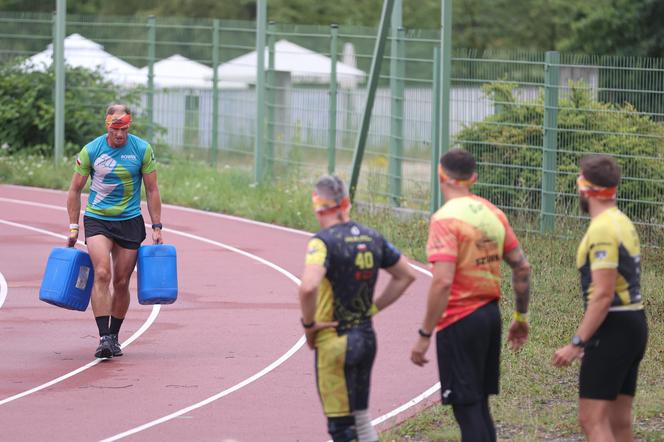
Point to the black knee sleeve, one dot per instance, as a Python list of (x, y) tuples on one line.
[(342, 429)]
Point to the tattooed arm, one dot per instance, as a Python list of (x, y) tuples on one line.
[(518, 333)]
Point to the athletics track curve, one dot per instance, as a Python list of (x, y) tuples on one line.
[(234, 317)]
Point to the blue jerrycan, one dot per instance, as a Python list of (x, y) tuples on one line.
[(157, 274), (68, 279)]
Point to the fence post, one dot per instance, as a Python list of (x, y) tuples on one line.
[(397, 70), (332, 116), (435, 132), (152, 49), (446, 74), (271, 102), (550, 142), (59, 66), (261, 25), (215, 90), (374, 76)]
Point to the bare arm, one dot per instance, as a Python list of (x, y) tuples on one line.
[(154, 203), (604, 286), (74, 204), (311, 279), (402, 277), (439, 295), (519, 329), (520, 278)]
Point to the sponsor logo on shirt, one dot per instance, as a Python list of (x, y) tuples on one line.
[(128, 157)]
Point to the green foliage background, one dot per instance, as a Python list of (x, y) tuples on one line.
[(508, 147), (618, 27), (26, 100)]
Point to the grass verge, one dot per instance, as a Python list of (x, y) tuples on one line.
[(537, 401)]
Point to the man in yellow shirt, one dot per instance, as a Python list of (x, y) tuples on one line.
[(611, 339)]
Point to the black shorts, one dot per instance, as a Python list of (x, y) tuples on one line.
[(128, 234), (611, 359), (469, 356)]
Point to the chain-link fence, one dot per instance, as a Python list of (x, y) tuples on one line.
[(528, 117)]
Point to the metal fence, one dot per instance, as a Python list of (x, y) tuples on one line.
[(528, 117)]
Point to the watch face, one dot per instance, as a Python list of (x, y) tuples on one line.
[(577, 341)]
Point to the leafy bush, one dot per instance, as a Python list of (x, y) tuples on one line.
[(508, 147), (26, 100)]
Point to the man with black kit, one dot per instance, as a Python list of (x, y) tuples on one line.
[(117, 163), (337, 303), (468, 239)]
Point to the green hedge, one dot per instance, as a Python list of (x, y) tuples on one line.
[(27, 108), (508, 147)]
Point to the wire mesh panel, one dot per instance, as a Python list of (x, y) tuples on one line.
[(24, 34), (527, 118), (497, 114), (614, 106)]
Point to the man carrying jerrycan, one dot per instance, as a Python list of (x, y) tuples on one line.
[(114, 228)]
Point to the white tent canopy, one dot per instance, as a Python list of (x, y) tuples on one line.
[(304, 65), (180, 72), (81, 52)]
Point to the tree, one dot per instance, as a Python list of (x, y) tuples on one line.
[(627, 27)]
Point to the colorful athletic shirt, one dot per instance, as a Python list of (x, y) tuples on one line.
[(475, 234), (116, 173), (352, 255), (612, 242)]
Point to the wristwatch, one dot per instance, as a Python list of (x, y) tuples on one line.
[(157, 226), (424, 334), (578, 342)]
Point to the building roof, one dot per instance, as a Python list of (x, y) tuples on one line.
[(304, 65), (82, 52), (181, 72)]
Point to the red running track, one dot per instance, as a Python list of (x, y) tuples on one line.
[(198, 369)]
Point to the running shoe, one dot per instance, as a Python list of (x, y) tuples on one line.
[(105, 349), (117, 350)]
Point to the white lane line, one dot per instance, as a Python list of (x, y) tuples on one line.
[(239, 219), (239, 385), (3, 289), (219, 395), (153, 315), (380, 419), (416, 400)]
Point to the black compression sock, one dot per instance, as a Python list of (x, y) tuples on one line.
[(102, 324), (115, 325)]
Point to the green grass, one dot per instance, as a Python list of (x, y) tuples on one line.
[(537, 401)]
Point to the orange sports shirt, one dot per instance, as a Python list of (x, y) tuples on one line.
[(475, 234)]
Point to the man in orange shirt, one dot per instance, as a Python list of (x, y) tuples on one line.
[(468, 238)]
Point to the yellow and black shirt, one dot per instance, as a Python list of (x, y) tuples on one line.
[(352, 255), (612, 242)]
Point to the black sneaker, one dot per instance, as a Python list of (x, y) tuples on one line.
[(105, 349), (117, 350)]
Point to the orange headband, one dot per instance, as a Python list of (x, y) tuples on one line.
[(324, 206), (444, 178), (590, 190), (118, 123)]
